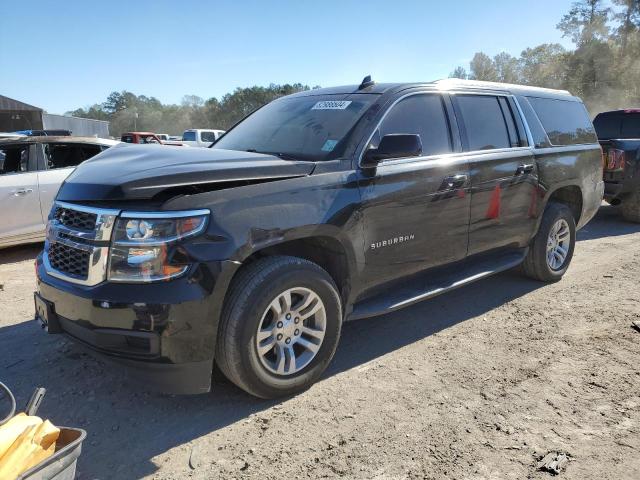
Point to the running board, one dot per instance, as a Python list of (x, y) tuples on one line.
[(432, 285)]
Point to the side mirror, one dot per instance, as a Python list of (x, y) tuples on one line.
[(399, 145)]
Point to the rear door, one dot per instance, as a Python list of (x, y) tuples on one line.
[(19, 201), (57, 162), (416, 210), (503, 172)]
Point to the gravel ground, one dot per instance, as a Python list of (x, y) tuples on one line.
[(478, 383)]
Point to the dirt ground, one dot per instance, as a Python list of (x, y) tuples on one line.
[(478, 383)]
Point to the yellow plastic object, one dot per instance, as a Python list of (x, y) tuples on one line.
[(13, 428), (35, 444)]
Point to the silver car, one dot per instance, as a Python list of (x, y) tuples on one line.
[(31, 171)]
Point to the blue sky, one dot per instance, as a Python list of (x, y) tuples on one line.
[(64, 55)]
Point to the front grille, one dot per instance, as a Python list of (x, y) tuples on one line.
[(76, 219), (68, 260)]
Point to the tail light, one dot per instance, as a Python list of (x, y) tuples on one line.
[(615, 159)]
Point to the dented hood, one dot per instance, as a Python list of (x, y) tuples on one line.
[(131, 172)]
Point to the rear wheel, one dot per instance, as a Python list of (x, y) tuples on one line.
[(280, 326), (552, 249), (631, 207)]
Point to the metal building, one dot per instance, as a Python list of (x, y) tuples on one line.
[(16, 116)]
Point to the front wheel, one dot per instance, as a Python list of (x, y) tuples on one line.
[(552, 248), (280, 326)]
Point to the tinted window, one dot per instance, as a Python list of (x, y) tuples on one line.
[(208, 136), (189, 137), (64, 156), (630, 125), (127, 138), (607, 125), (14, 159), (484, 122), (422, 115), (314, 127), (540, 139), (566, 122)]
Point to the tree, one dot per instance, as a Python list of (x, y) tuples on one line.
[(459, 72), (507, 68), (483, 68), (544, 65), (586, 21), (629, 19)]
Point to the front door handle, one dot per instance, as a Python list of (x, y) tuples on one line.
[(454, 181), (22, 191), (525, 168)]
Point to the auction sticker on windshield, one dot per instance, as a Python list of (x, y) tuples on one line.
[(332, 105)]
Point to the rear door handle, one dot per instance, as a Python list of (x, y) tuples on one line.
[(525, 168), (22, 191), (454, 181)]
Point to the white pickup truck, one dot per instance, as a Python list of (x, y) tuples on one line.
[(195, 137)]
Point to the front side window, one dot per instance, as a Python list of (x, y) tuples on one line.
[(310, 127), (484, 122), (566, 122), (422, 115), (14, 159), (58, 155)]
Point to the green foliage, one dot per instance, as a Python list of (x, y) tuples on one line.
[(603, 68), (127, 111)]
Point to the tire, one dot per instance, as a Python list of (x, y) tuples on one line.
[(250, 306), (631, 207), (537, 264)]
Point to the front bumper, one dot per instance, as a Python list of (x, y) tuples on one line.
[(163, 333)]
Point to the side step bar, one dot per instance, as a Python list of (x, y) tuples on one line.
[(430, 285)]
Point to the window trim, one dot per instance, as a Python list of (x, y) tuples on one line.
[(454, 129)]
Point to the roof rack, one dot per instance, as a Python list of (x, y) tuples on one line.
[(495, 85)]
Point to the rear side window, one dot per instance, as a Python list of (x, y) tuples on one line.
[(14, 159), (64, 156), (566, 122), (127, 138), (208, 136), (484, 122), (540, 139), (422, 115), (189, 137)]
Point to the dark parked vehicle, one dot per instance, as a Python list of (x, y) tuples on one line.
[(619, 135), (324, 206)]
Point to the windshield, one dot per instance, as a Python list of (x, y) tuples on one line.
[(309, 128)]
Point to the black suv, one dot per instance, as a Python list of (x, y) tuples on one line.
[(324, 206)]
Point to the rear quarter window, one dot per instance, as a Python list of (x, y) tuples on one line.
[(565, 122)]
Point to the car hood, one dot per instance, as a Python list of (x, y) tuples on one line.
[(133, 172)]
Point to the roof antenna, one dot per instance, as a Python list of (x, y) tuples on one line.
[(366, 82)]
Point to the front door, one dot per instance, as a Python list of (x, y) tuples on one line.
[(19, 202), (503, 173), (416, 210)]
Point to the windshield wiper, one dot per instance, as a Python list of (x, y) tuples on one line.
[(283, 156)]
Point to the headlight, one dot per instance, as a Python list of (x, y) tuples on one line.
[(141, 244)]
